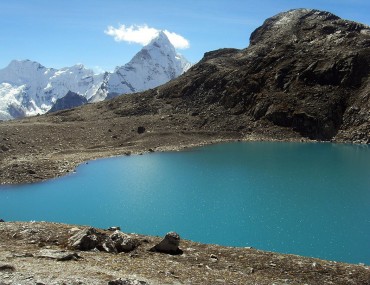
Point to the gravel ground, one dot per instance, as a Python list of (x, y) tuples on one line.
[(27, 250)]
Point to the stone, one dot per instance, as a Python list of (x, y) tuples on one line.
[(213, 258), (7, 267), (85, 239), (113, 229), (140, 130), (30, 171), (123, 242), (59, 255), (170, 244), (127, 282), (4, 148), (2, 221)]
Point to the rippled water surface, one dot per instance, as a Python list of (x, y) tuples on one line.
[(302, 198)]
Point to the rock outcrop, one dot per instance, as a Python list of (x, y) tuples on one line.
[(93, 239)]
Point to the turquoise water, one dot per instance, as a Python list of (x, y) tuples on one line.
[(311, 199)]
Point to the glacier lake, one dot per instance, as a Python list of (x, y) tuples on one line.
[(311, 199)]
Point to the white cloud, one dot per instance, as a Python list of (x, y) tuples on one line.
[(143, 35), (98, 69), (177, 40)]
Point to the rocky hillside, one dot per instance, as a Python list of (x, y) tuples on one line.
[(305, 70)]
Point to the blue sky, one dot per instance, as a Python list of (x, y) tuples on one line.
[(65, 32)]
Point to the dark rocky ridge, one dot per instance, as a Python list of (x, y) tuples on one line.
[(69, 101), (306, 70)]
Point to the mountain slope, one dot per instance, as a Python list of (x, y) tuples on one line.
[(28, 88), (305, 70)]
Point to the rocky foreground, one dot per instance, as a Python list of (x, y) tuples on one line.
[(49, 253)]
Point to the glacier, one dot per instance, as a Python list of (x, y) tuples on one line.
[(28, 88)]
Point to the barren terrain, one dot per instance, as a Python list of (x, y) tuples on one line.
[(29, 254)]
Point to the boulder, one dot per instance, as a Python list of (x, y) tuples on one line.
[(170, 244), (85, 239), (123, 242), (2, 221)]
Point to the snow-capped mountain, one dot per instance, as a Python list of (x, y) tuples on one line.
[(27, 88), (156, 63)]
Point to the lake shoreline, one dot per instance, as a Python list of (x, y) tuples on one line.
[(77, 158), (22, 166)]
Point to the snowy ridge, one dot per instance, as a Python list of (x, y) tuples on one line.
[(27, 88)]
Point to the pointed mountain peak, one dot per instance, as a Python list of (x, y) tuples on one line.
[(161, 37), (161, 41), (157, 50)]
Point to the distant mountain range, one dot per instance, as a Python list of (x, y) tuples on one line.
[(27, 88)]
